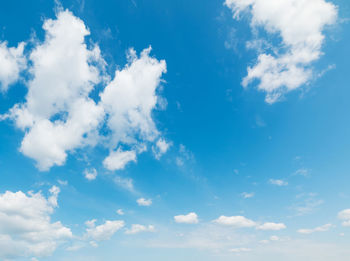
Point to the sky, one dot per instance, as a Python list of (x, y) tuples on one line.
[(174, 130)]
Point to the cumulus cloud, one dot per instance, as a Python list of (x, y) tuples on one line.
[(144, 202), (104, 231), (278, 182), (26, 228), (118, 159), (129, 100), (235, 221), (137, 228), (323, 228), (300, 25), (190, 218), (59, 116), (271, 226), (345, 216), (12, 62), (90, 174)]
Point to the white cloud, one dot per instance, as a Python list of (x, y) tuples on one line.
[(235, 221), (300, 25), (239, 250), (12, 62), (323, 228), (104, 231), (345, 216), (26, 228), (247, 195), (274, 238), (302, 172), (90, 223), (144, 202), (130, 98), (190, 218), (120, 212), (62, 182), (271, 226), (125, 183), (137, 228), (160, 148), (90, 174), (58, 115), (307, 204), (118, 159), (278, 182)]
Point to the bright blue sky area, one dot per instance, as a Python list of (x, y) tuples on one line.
[(232, 141)]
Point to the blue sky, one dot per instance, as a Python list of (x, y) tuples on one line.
[(169, 130)]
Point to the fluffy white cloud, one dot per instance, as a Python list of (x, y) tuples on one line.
[(118, 159), (271, 226), (345, 216), (300, 25), (144, 202), (160, 148), (90, 174), (104, 231), (59, 116), (323, 228), (190, 218), (130, 98), (25, 225), (137, 228), (12, 62), (235, 221), (278, 182)]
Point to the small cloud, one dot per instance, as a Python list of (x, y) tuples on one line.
[(137, 228), (104, 231), (160, 148), (235, 221), (307, 205), (345, 217), (323, 228), (274, 238), (246, 195), (302, 172), (125, 183), (259, 121), (184, 156), (271, 226), (278, 182), (190, 218), (118, 159), (144, 202), (239, 250), (120, 212), (62, 182), (90, 174)]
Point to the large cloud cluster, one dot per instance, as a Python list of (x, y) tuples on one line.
[(59, 114), (300, 26)]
